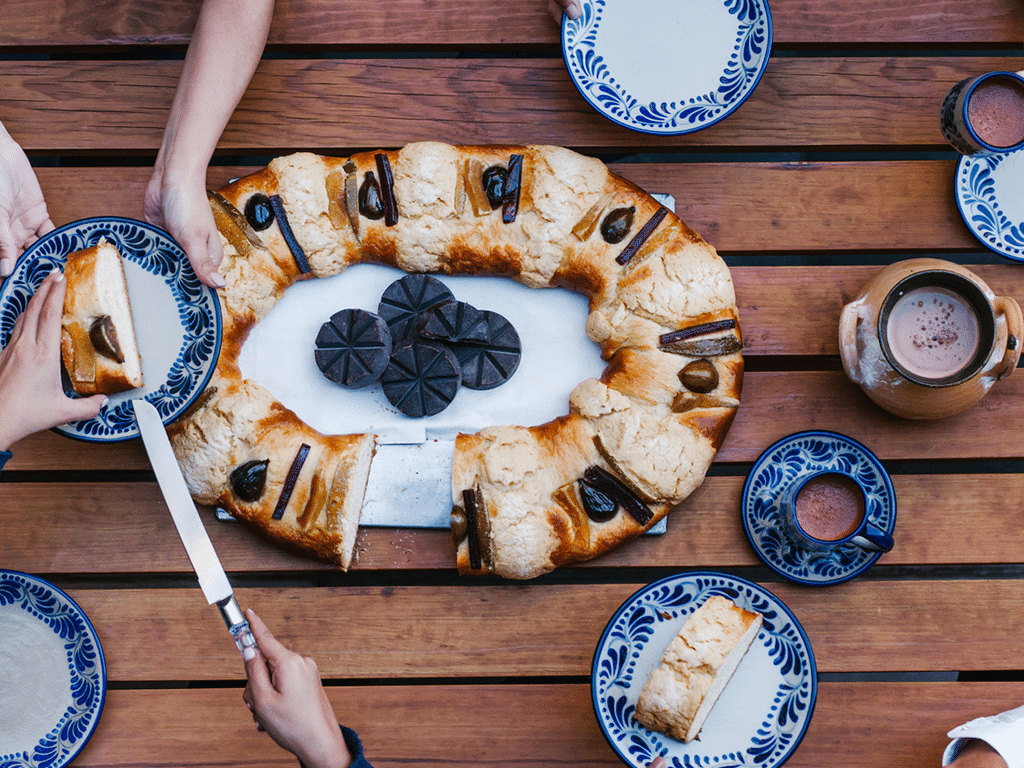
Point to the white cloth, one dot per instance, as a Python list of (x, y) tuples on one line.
[(1003, 732)]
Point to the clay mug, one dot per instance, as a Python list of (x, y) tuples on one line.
[(827, 509), (984, 115), (927, 338)]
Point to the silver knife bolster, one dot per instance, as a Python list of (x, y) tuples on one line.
[(238, 626)]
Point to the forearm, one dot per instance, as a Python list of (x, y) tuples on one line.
[(226, 47)]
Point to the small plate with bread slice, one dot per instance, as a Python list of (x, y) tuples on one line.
[(704, 668), (137, 322)]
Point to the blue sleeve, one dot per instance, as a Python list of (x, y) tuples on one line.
[(5, 456), (355, 747)]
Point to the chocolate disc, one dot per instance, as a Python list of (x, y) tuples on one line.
[(488, 364), (455, 322), (405, 301), (422, 378), (353, 348)]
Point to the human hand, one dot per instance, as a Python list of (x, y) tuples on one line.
[(978, 754), (658, 762), (31, 397), (23, 215), (288, 701), (182, 208), (570, 7)]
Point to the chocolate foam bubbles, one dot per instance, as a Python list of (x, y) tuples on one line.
[(933, 332)]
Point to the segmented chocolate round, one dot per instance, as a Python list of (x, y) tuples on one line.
[(422, 378), (353, 348), (406, 300), (455, 322), (490, 363)]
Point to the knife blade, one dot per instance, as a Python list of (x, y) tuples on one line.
[(212, 579)]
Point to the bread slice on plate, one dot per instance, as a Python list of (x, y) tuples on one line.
[(97, 342), (696, 667)]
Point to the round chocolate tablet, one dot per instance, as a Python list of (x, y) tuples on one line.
[(422, 378), (405, 301), (353, 348), (455, 322), (487, 364)]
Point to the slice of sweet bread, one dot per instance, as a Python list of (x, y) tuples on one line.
[(98, 343), (696, 667)]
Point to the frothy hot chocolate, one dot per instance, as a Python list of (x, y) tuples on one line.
[(830, 507), (996, 111), (933, 333)]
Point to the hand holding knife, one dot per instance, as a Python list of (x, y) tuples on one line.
[(212, 579)]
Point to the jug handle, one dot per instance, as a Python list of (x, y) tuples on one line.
[(848, 340), (1008, 307)]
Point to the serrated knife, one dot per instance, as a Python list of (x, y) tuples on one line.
[(212, 579)]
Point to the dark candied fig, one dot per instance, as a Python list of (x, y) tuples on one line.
[(490, 363), (454, 321), (258, 212), (599, 507), (290, 480), (247, 480), (699, 376), (406, 300), (370, 203), (353, 348), (459, 525), (103, 336), (422, 378), (494, 184), (616, 225)]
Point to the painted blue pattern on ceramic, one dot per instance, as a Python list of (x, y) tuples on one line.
[(157, 253), (977, 198), (86, 665), (802, 454), (686, 112), (616, 680)]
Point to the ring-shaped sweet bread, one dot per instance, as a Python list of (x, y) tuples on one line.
[(525, 499)]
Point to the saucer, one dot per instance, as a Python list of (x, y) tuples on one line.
[(177, 319), (763, 712), (667, 67), (55, 678), (802, 454), (990, 196)]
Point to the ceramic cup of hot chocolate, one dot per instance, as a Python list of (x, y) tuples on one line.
[(984, 115), (828, 509), (927, 338)]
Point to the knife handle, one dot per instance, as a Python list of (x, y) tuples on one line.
[(239, 627)]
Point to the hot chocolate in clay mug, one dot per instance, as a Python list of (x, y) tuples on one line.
[(927, 338)]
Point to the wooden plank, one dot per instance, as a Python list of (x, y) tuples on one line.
[(737, 207), (537, 629), (81, 106), (536, 726), (124, 528), (479, 23), (775, 404)]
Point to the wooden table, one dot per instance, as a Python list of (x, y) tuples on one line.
[(834, 167)]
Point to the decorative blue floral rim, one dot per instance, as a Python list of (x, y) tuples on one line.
[(788, 674), (682, 112), (53, 608), (976, 197), (801, 454), (156, 252)]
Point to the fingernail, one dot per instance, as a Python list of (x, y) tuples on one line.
[(248, 653), (217, 280), (104, 403), (57, 275), (573, 11), (6, 266)]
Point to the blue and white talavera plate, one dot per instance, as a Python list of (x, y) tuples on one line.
[(177, 319), (53, 679), (761, 715), (990, 195), (801, 454), (667, 67)]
